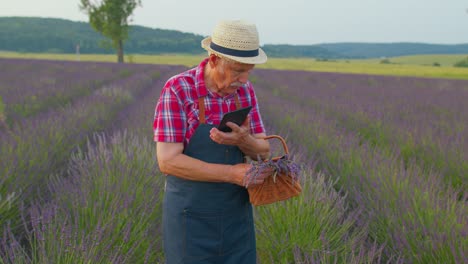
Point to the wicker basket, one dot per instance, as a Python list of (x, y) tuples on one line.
[(274, 189)]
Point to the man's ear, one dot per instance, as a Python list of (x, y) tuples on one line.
[(213, 60)]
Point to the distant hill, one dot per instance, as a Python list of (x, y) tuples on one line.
[(52, 35), (31, 34), (308, 51)]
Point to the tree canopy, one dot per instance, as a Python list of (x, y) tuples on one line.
[(111, 18)]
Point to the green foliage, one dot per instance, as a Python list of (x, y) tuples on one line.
[(117, 178), (111, 18), (2, 111), (463, 63), (61, 36), (320, 210)]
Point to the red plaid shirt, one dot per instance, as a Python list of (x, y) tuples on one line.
[(177, 116)]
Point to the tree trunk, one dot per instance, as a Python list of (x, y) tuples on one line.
[(120, 53)]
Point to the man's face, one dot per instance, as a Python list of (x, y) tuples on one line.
[(230, 75)]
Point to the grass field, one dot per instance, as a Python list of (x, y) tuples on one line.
[(425, 60), (420, 66)]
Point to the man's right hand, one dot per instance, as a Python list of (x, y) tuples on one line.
[(240, 177)]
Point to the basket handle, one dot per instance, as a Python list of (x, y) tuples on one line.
[(285, 147)]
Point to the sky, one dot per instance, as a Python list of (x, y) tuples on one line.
[(297, 22)]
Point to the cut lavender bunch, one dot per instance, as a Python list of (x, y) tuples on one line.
[(283, 166)]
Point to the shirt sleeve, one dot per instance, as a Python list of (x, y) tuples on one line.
[(169, 123)]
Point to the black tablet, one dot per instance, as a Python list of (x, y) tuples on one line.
[(238, 117)]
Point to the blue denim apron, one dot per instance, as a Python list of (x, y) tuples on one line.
[(206, 222)]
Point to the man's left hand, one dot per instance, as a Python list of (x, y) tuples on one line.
[(238, 134)]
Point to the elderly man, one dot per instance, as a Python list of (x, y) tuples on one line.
[(207, 217)]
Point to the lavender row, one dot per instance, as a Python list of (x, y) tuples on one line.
[(35, 149), (402, 205), (358, 224), (137, 118), (106, 210), (102, 194), (31, 86), (423, 120), (316, 227), (323, 203)]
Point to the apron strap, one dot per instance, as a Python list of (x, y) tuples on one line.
[(201, 106)]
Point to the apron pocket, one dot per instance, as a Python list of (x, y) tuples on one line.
[(202, 234)]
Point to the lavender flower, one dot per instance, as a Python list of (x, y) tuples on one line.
[(282, 166)]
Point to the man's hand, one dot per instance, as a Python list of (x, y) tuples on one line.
[(240, 176), (251, 145), (238, 135)]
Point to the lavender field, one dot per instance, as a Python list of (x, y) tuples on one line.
[(384, 165)]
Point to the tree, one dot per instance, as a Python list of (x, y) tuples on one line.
[(110, 18)]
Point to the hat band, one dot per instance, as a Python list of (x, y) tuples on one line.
[(233, 52)]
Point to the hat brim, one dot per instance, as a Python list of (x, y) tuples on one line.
[(259, 59)]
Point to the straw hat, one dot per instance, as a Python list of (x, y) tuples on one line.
[(236, 40)]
